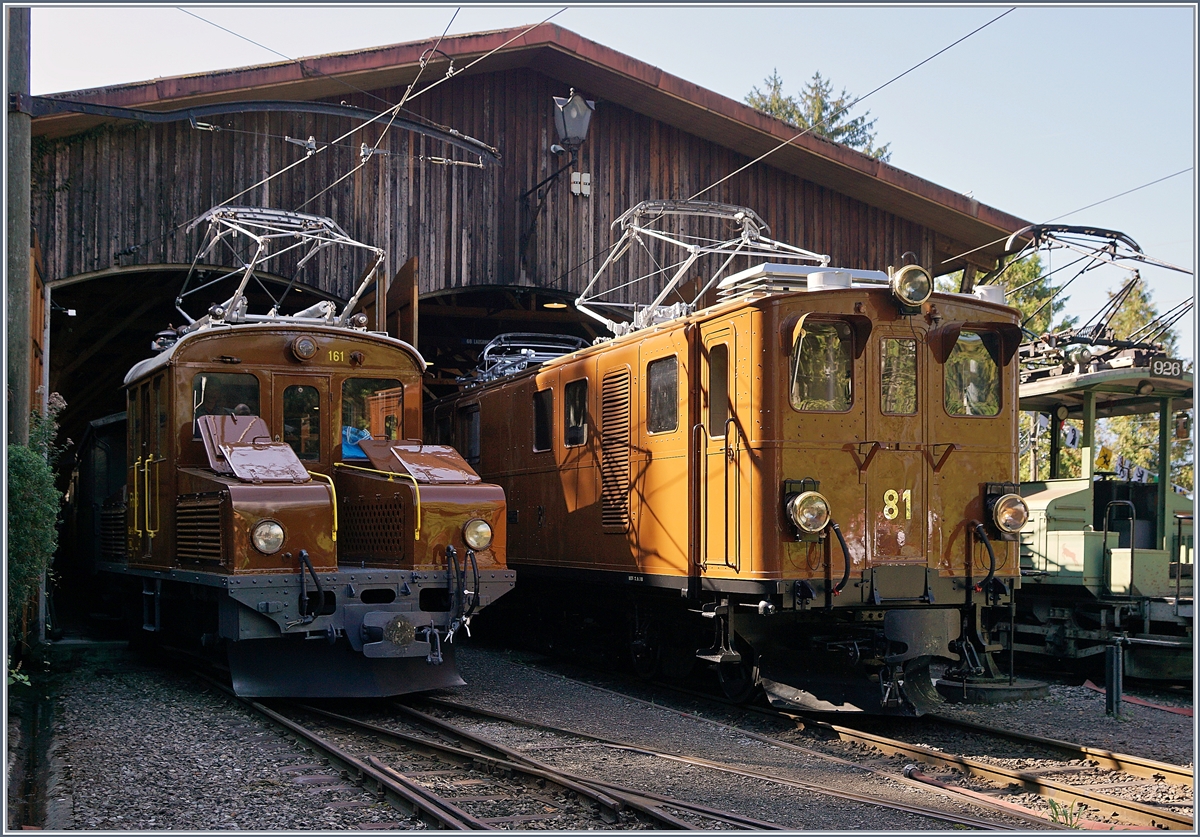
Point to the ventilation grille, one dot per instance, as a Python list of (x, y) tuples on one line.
[(198, 531), (372, 528), (614, 452), (112, 532)]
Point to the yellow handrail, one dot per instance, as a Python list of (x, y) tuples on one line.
[(391, 475), (333, 494), (134, 500)]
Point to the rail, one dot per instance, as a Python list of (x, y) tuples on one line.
[(957, 819)]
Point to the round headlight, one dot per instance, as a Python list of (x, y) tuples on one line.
[(477, 533), (1010, 513), (912, 285), (809, 511), (304, 347), (267, 536)]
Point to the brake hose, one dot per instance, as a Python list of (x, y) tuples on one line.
[(837, 530), (981, 533)]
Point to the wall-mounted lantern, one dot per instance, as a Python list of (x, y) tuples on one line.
[(572, 116)]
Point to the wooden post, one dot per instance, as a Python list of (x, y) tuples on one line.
[(17, 267)]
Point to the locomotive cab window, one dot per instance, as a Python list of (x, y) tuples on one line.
[(575, 413), (898, 376), (372, 408), (821, 363), (468, 434), (543, 413), (662, 384), (972, 375), (718, 389), (302, 421), (223, 394)]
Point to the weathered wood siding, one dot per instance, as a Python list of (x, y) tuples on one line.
[(99, 194)]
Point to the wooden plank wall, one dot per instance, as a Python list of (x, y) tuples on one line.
[(130, 190)]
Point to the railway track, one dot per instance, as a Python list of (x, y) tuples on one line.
[(451, 779), (709, 764), (1074, 787)]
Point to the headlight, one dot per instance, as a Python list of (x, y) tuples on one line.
[(809, 511), (477, 533), (912, 285), (1010, 513), (267, 536)]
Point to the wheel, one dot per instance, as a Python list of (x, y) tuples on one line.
[(644, 649), (739, 681)]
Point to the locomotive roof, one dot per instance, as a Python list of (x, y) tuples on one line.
[(1116, 390), (746, 299), (164, 358)]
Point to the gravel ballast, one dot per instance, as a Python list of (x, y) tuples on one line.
[(140, 747)]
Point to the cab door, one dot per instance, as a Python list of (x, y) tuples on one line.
[(722, 445), (898, 521), (302, 407), (151, 486)]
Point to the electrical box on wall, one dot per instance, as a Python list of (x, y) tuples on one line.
[(581, 183)]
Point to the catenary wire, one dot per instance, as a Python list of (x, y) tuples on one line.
[(847, 107), (394, 111), (1072, 212)]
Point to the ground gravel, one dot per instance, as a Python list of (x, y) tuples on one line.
[(139, 747), (143, 748)]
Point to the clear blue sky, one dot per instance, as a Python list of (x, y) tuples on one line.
[(1045, 111)]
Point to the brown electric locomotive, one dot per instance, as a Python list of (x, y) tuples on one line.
[(809, 484), (280, 504)]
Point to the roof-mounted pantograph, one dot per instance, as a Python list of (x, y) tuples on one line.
[(255, 239)]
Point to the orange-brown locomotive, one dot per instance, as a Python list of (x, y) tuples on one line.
[(279, 501), (809, 484)]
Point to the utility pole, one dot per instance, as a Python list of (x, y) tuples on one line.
[(17, 267)]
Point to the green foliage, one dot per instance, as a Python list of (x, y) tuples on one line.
[(33, 506), (818, 110), (16, 677), (1068, 815)]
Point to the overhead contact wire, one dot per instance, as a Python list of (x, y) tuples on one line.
[(394, 112), (847, 107)]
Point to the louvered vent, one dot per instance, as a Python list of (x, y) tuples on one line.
[(198, 531), (372, 528), (112, 532), (614, 452)]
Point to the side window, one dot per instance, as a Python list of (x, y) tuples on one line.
[(443, 427), (898, 376), (468, 433), (543, 413), (372, 408), (662, 385), (972, 376), (223, 394), (575, 413), (821, 367), (718, 389), (302, 421)]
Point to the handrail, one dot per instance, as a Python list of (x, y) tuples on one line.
[(333, 494), (1106, 553), (391, 475), (733, 455), (134, 500)]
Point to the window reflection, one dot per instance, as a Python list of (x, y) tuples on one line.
[(820, 368), (972, 376)]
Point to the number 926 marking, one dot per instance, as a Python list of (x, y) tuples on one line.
[(1165, 367)]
